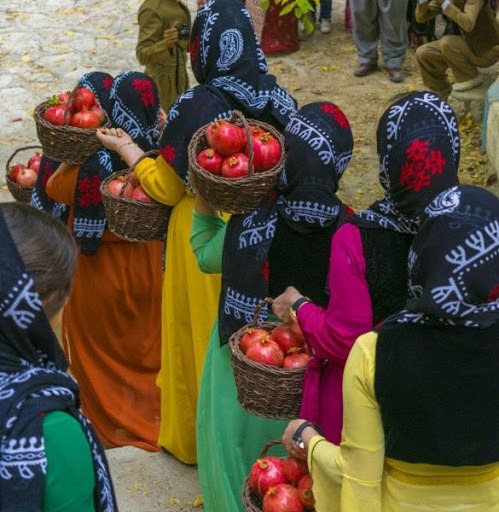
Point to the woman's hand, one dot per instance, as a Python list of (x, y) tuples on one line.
[(283, 303), (113, 138), (203, 208), (306, 436), (161, 119), (171, 35)]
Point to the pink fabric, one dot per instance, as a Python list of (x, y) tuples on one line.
[(332, 332), (348, 16)]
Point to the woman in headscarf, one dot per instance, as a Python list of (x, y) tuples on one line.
[(286, 240), (50, 457), (422, 392), (418, 148), (232, 73), (112, 323)]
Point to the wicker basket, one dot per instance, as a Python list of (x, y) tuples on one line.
[(132, 220), (21, 194), (234, 195), (265, 390), (66, 143)]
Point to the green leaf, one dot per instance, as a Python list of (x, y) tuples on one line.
[(309, 26), (265, 4), (298, 12), (287, 9)]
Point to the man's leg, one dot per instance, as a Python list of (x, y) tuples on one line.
[(365, 30), (393, 27), (433, 67)]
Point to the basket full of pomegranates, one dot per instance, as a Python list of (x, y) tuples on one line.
[(269, 361), (277, 484), (67, 123), (21, 178), (235, 164), (131, 213)]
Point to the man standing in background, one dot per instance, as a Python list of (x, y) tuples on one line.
[(385, 21), (477, 47)]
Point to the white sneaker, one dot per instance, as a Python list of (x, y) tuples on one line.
[(469, 84), (325, 26)]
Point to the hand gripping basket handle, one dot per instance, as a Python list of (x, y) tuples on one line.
[(267, 447), (18, 150), (259, 308), (147, 154), (239, 116)]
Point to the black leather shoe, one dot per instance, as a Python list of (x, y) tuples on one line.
[(396, 75), (365, 69)]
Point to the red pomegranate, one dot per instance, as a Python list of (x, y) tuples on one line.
[(235, 166), (296, 330), (266, 152), (256, 131), (225, 137), (296, 360), (83, 98), (101, 113), (26, 177), (282, 498), (14, 171), (287, 338), (305, 492), (210, 161), (63, 97), (265, 351), (55, 114), (265, 473), (251, 335), (85, 119), (114, 187), (294, 469), (34, 162), (141, 195)]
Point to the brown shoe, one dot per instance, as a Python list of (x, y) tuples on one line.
[(396, 75), (365, 69)]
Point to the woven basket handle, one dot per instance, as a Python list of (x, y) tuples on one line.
[(267, 447), (18, 150), (70, 104), (256, 314), (147, 154), (239, 116)]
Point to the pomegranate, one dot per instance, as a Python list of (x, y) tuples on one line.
[(305, 492), (26, 177), (265, 473), (34, 162), (139, 194), (101, 113), (286, 338), (296, 330), (235, 166), (282, 498), (210, 161), (296, 360), (225, 137), (256, 131), (14, 171), (266, 152), (55, 114), (114, 187), (85, 119), (294, 469), (83, 98), (265, 351), (64, 97), (250, 335)]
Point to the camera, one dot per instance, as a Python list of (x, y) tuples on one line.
[(184, 32)]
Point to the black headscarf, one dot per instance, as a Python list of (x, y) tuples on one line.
[(419, 150), (319, 145), (33, 381), (89, 216), (231, 68), (454, 262)]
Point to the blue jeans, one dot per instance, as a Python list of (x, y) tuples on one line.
[(326, 7)]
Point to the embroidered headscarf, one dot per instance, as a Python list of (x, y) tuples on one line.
[(33, 381), (419, 150), (231, 69), (319, 145), (89, 217), (454, 262)]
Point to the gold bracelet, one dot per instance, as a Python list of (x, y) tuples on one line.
[(126, 144)]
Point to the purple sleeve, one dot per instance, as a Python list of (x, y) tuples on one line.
[(332, 332)]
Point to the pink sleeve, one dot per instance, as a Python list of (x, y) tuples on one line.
[(332, 332)]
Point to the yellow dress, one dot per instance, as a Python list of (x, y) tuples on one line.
[(356, 476), (189, 309)]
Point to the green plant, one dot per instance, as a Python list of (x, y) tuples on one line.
[(301, 8)]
